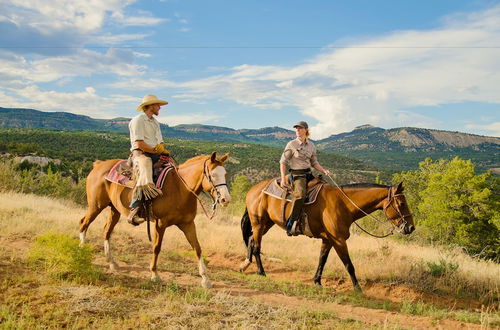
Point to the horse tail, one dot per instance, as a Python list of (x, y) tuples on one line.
[(246, 227)]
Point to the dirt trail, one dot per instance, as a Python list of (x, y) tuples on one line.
[(373, 317), (276, 270)]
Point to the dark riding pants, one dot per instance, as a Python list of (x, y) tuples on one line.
[(299, 191)]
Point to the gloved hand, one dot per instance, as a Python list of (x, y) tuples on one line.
[(160, 148)]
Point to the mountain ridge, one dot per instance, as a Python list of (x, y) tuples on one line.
[(397, 148)]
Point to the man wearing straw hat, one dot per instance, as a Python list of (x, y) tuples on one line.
[(147, 147)]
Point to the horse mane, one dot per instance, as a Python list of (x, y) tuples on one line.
[(97, 162), (192, 160), (364, 185)]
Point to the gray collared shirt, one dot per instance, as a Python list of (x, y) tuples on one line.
[(299, 156), (143, 128)]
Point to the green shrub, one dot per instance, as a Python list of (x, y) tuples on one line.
[(61, 257), (442, 267), (31, 180), (239, 189), (453, 205)]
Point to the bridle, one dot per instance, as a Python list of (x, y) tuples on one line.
[(402, 217), (208, 176), (391, 199)]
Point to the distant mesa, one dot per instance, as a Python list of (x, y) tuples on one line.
[(365, 126), (403, 146)]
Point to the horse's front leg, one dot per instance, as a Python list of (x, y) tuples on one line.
[(159, 231), (189, 230), (113, 218), (341, 248), (323, 256), (91, 213)]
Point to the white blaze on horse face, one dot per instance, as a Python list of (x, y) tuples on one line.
[(218, 175)]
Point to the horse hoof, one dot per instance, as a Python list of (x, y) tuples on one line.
[(155, 278), (206, 283), (114, 266)]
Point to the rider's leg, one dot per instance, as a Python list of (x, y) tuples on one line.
[(299, 187), (145, 188)]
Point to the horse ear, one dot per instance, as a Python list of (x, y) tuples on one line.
[(223, 158), (400, 188), (213, 156)]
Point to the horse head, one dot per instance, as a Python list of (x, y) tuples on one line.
[(397, 211), (214, 179)]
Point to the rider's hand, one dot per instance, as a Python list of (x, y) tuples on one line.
[(327, 172), (283, 183), (160, 148)]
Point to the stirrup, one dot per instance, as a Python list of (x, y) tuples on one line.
[(295, 229), (133, 217)]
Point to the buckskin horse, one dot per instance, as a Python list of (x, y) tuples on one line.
[(330, 218), (177, 206)]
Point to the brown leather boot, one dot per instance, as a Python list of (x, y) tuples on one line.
[(134, 218), (292, 227)]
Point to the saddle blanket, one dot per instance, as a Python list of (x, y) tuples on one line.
[(274, 189), (115, 176)]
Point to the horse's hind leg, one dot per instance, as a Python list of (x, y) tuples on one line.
[(259, 231), (189, 230), (113, 218), (91, 213), (253, 251)]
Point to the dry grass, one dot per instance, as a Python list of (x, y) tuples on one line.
[(375, 259), (119, 301)]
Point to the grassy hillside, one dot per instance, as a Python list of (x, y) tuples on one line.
[(78, 149), (405, 285), (400, 149), (392, 150)]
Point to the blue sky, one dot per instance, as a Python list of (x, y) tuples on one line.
[(253, 64)]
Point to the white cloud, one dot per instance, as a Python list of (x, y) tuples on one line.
[(48, 16), (85, 102), (193, 118), (142, 84), (116, 39), (375, 80), (492, 129), (83, 16), (84, 63)]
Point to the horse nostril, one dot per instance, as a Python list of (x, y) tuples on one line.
[(411, 229)]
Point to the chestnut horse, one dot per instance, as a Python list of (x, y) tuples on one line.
[(330, 218), (177, 206)]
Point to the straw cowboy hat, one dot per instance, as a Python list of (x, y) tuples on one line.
[(150, 99)]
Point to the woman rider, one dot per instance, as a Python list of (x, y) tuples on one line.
[(300, 155)]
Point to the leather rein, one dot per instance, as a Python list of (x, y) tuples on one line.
[(206, 174), (390, 202)]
